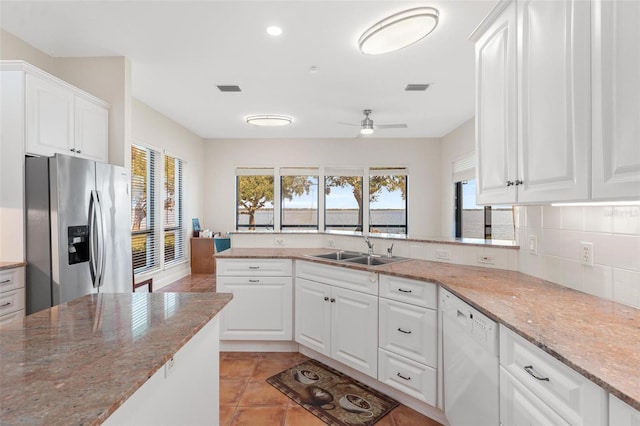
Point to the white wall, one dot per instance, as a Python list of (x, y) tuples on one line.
[(154, 129), (458, 143), (421, 156)]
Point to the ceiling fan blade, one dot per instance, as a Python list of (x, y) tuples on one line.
[(389, 126), (348, 124)]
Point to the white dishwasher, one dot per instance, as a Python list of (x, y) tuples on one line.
[(471, 364)]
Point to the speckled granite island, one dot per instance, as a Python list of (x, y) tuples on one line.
[(79, 362), (598, 338)]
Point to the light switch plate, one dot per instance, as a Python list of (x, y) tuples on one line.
[(532, 241)]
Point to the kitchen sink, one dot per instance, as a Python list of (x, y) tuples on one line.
[(375, 260), (359, 258), (338, 255)]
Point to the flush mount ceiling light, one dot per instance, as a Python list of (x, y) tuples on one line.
[(269, 120), (397, 31), (274, 30)]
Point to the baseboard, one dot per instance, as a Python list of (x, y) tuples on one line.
[(257, 346), (420, 406)]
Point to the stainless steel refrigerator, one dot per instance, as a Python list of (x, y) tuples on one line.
[(78, 231)]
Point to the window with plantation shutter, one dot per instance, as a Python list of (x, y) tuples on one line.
[(173, 223), (144, 237)]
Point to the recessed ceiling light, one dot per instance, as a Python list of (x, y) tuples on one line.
[(274, 30), (269, 120), (397, 31)]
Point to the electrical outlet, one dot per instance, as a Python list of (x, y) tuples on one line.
[(533, 244), (483, 258), (586, 253), (442, 254), (331, 242), (169, 367), (279, 242)]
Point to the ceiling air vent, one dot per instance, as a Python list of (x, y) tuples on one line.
[(229, 88), (416, 87)]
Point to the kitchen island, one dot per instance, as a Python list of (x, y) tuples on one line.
[(79, 362)]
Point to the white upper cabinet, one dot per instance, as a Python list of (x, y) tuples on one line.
[(554, 100), (60, 118), (616, 99), (533, 103), (49, 120), (496, 117)]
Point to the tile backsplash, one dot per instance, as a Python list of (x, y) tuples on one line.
[(559, 232)]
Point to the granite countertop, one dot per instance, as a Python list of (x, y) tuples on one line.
[(76, 363), (598, 338), (11, 265)]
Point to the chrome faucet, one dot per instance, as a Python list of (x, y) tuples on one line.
[(390, 251), (370, 245)]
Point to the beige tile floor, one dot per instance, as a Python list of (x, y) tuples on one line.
[(247, 399)]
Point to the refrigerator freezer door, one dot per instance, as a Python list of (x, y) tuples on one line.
[(113, 182), (71, 182)]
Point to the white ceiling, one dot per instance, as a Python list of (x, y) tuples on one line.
[(180, 51)]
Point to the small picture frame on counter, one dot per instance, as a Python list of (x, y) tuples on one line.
[(196, 227)]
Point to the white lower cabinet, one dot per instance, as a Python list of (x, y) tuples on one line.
[(335, 320), (536, 386), (12, 295), (621, 414), (262, 304), (408, 330)]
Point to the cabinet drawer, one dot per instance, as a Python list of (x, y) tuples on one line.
[(419, 293), (518, 406), (11, 279), (408, 330), (363, 281), (262, 267), (11, 301), (410, 377), (13, 316), (571, 395)]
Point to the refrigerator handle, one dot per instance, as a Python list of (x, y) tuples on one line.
[(102, 252), (92, 235)]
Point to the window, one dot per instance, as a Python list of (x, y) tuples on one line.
[(157, 211), (173, 224), (388, 201), (483, 222), (254, 199), (143, 221), (299, 199), (343, 200)]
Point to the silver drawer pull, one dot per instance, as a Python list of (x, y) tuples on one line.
[(5, 281), (402, 331), (5, 305), (254, 267), (529, 369), (403, 377), (404, 291), (254, 281)]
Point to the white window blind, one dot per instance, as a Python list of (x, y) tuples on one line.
[(464, 168), (144, 236), (173, 224)]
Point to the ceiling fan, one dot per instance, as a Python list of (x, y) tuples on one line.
[(367, 126)]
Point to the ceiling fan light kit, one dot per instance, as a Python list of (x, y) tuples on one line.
[(398, 31), (269, 120)]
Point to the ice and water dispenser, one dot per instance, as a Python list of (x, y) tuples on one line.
[(78, 244)]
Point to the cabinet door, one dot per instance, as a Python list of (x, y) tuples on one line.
[(616, 100), (554, 100), (261, 309), (354, 330), (91, 130), (621, 414), (313, 315), (496, 118), (49, 118), (519, 407)]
